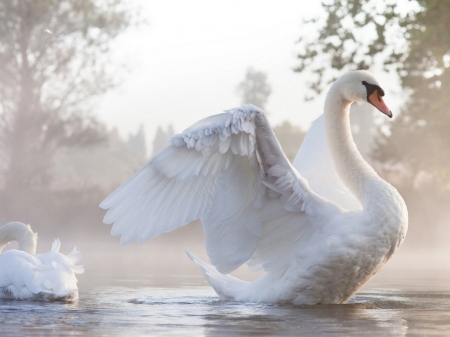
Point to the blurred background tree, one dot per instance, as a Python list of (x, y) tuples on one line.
[(408, 38), (138, 141), (162, 138), (254, 89), (54, 60)]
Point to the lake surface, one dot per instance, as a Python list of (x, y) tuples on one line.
[(126, 294), (196, 311)]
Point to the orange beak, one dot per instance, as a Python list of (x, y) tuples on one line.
[(377, 101)]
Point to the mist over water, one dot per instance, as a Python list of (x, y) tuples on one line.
[(154, 289)]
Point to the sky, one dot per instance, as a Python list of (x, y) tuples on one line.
[(186, 63)]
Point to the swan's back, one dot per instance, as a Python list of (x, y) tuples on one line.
[(50, 276)]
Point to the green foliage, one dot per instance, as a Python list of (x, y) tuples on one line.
[(353, 36), (419, 136), (53, 60), (408, 37)]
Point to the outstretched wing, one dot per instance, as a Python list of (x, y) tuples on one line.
[(225, 169)]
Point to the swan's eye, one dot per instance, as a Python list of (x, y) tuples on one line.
[(371, 88)]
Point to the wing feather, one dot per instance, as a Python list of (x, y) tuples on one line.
[(229, 171)]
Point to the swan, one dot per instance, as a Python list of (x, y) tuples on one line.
[(25, 275), (320, 228)]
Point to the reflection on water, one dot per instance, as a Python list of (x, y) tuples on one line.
[(196, 311)]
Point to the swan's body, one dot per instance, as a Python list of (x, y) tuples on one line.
[(26, 275), (320, 228)]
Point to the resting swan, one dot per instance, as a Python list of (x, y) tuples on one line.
[(320, 228), (25, 275)]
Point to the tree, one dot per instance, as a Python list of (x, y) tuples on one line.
[(408, 38), (162, 138), (138, 142), (254, 89), (53, 57)]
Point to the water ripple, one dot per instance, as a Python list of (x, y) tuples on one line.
[(122, 311)]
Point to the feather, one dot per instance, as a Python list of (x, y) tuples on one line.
[(224, 169)]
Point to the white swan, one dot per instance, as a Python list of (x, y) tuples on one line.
[(320, 229), (26, 275)]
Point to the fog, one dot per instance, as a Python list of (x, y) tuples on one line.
[(186, 63)]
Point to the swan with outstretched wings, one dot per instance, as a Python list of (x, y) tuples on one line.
[(319, 228)]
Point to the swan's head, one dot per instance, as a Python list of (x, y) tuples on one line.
[(361, 86)]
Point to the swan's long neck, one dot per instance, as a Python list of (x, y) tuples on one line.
[(355, 172), (17, 231)]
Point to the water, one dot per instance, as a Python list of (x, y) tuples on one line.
[(127, 295), (196, 311)]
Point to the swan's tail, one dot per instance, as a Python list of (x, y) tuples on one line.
[(228, 288)]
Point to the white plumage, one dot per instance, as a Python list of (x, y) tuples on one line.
[(25, 275), (320, 228)]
